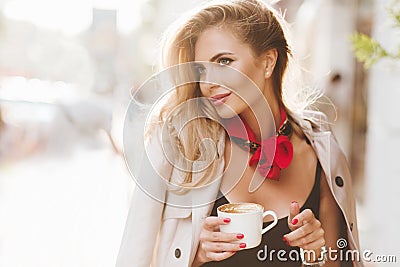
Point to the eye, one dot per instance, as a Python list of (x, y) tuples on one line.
[(224, 61)]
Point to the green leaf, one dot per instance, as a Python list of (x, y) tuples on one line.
[(394, 12), (367, 50)]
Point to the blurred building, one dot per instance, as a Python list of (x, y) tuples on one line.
[(102, 44)]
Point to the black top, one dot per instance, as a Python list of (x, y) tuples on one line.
[(263, 254)]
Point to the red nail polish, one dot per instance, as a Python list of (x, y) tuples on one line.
[(240, 236), (284, 239), (226, 220), (295, 221), (242, 245)]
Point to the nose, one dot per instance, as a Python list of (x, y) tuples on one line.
[(209, 78)]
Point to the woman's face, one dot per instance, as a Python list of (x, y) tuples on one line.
[(223, 85)]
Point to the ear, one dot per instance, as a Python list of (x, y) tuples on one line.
[(270, 58)]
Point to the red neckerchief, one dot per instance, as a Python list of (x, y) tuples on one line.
[(270, 164)]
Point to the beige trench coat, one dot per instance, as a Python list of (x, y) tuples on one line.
[(163, 235)]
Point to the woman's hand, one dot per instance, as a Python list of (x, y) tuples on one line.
[(306, 230), (215, 245)]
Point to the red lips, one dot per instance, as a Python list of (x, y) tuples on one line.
[(219, 99)]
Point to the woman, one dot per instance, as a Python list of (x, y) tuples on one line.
[(306, 181)]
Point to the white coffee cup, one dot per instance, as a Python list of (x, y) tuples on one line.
[(247, 219)]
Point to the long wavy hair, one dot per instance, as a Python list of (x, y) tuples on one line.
[(252, 22)]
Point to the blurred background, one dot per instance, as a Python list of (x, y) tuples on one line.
[(67, 72)]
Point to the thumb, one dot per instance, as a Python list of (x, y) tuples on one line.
[(294, 210)]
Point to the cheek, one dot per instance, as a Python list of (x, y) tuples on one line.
[(247, 88)]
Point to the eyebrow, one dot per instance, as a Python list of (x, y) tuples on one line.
[(218, 55)]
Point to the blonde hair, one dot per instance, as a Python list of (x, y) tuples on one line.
[(254, 23)]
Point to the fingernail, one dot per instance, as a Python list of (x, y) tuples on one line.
[(240, 236), (226, 220), (242, 245), (295, 221), (284, 239)]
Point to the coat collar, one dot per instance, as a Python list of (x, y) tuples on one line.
[(314, 126)]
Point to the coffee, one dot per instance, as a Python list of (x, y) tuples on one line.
[(240, 208), (246, 218)]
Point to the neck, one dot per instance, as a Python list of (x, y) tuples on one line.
[(263, 125)]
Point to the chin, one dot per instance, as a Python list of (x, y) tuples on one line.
[(225, 112)]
